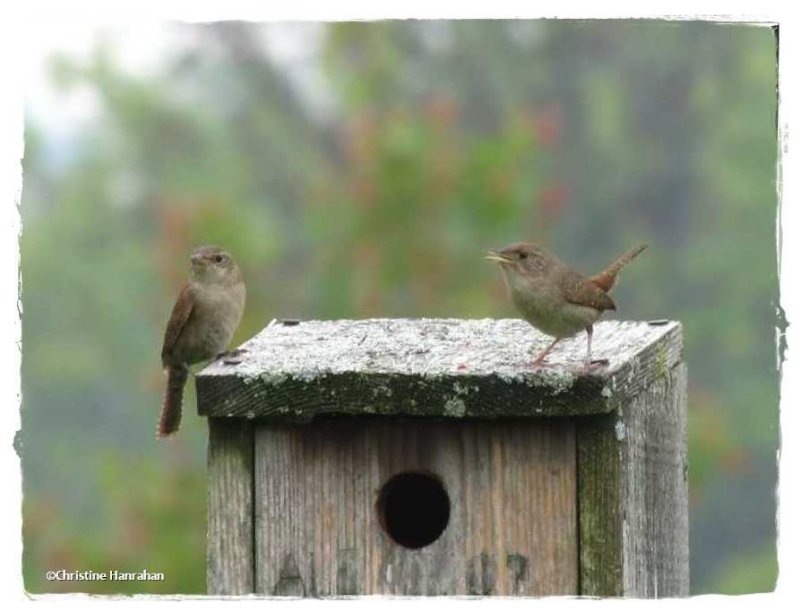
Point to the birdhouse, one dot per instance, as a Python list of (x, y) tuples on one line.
[(427, 457)]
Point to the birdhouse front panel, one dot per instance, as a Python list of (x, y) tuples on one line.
[(346, 507)]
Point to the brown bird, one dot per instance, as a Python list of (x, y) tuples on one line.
[(203, 321), (554, 298)]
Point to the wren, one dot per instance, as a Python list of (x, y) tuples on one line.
[(554, 298), (205, 316)]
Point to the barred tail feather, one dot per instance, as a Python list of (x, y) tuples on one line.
[(170, 418), (608, 277)]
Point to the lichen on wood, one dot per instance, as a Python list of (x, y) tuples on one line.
[(447, 368)]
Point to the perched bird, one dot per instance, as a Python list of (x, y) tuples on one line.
[(554, 298), (203, 321)]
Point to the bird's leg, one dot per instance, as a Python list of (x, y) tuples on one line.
[(589, 330), (538, 361), (589, 361)]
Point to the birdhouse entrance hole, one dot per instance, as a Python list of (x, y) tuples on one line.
[(413, 508)]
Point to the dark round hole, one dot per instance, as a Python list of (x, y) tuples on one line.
[(413, 508)]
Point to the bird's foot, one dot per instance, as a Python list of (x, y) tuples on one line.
[(594, 364)]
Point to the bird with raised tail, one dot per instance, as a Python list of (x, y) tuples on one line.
[(554, 298), (203, 321)]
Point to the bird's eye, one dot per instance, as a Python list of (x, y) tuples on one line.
[(218, 258), (523, 255)]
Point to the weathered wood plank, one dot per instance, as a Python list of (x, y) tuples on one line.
[(633, 494), (600, 508), (230, 558), (432, 367), (512, 526)]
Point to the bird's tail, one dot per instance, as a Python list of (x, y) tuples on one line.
[(170, 418), (608, 277)]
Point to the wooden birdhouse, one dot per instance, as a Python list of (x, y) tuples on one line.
[(427, 457)]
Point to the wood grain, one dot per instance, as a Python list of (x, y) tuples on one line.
[(512, 528), (230, 558), (633, 495)]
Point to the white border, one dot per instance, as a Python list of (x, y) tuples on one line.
[(13, 29)]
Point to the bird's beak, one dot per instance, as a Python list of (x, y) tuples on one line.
[(196, 259), (496, 256)]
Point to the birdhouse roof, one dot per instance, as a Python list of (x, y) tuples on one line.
[(441, 368)]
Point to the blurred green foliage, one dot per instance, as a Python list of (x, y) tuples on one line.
[(143, 527), (754, 572), (374, 192)]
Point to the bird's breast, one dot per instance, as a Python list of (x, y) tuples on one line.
[(214, 320), (543, 306)]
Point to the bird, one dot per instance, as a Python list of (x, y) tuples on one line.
[(553, 297), (206, 314)]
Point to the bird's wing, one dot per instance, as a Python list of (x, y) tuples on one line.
[(180, 314), (580, 290)]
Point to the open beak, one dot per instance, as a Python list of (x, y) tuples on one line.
[(496, 256)]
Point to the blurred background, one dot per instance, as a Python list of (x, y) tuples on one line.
[(359, 170)]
